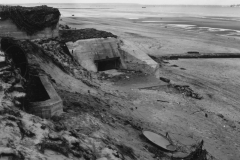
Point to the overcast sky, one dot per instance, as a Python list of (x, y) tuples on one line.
[(172, 2)]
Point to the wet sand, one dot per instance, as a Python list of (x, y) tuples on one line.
[(201, 22), (159, 38)]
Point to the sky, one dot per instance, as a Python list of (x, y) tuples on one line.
[(170, 2)]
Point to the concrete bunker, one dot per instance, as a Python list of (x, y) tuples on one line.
[(29, 22), (108, 64), (42, 99), (97, 54), (100, 54), (15, 55), (49, 104)]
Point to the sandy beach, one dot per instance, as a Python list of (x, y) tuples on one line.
[(214, 119)]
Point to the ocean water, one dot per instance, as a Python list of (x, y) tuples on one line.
[(214, 12), (222, 20)]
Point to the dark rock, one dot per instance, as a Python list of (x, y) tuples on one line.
[(165, 79), (220, 115)]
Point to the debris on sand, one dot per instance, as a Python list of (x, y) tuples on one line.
[(160, 141), (165, 79), (198, 154), (166, 148), (183, 89), (187, 91), (118, 75)]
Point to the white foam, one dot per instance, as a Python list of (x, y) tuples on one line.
[(186, 26), (219, 29), (238, 31), (152, 21), (133, 18), (219, 18)]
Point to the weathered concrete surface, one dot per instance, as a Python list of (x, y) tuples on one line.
[(136, 59), (87, 51), (48, 108), (9, 29)]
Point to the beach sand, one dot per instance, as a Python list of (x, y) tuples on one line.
[(215, 119), (157, 38)]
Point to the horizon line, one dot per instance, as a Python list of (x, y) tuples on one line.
[(130, 3)]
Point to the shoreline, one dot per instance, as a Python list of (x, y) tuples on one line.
[(199, 24)]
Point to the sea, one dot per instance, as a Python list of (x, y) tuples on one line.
[(221, 20)]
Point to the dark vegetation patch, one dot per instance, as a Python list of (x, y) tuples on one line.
[(89, 33), (31, 19), (60, 147)]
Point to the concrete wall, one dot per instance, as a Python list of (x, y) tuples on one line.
[(48, 108), (136, 59), (87, 51), (9, 29)]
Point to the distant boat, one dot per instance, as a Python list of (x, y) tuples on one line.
[(144, 7)]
